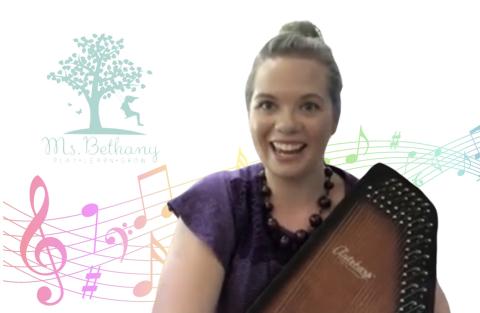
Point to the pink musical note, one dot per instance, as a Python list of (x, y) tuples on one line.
[(111, 240), (142, 220), (143, 288), (44, 293), (473, 131), (87, 211)]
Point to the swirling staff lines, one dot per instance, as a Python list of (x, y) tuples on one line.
[(104, 256), (398, 150), (427, 156), (446, 155), (443, 158), (86, 268), (189, 182), (88, 239), (472, 161), (72, 231), (371, 148), (79, 293), (87, 253), (470, 136)]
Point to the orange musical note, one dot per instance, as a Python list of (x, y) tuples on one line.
[(143, 288), (44, 293), (142, 220), (473, 131), (352, 158)]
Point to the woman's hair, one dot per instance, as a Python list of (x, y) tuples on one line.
[(300, 39)]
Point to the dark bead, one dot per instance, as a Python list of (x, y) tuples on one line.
[(301, 235), (315, 220), (272, 223), (328, 171), (266, 191), (328, 185), (284, 240), (324, 202), (268, 206)]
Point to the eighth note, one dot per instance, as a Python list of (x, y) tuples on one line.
[(143, 288), (352, 158), (89, 276)]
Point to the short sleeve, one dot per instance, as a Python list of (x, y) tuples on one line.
[(206, 209)]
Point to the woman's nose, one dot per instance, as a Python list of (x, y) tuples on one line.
[(287, 123)]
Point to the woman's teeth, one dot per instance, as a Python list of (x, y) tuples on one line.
[(288, 147)]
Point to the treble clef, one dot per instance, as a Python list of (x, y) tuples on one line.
[(44, 293)]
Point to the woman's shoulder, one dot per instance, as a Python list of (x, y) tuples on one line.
[(224, 183), (349, 179)]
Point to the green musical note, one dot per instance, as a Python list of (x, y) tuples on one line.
[(395, 140), (352, 158)]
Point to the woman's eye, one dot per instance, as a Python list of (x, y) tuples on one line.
[(265, 105), (310, 106)]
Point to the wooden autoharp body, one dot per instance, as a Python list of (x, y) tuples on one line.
[(375, 253)]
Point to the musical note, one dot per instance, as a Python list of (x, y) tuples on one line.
[(111, 240), (411, 155), (143, 288), (417, 181), (142, 220), (395, 140), (435, 163), (44, 293), (241, 159), (473, 131), (461, 171), (87, 211), (91, 288), (352, 158)]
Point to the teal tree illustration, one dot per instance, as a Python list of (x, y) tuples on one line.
[(96, 73)]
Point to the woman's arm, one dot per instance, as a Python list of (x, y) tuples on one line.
[(441, 304), (191, 278)]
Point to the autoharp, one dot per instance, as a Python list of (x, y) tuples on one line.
[(375, 253)]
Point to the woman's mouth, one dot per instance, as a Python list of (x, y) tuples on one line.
[(287, 148)]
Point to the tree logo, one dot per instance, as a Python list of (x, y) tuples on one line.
[(96, 73)]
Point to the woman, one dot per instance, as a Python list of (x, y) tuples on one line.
[(237, 229)]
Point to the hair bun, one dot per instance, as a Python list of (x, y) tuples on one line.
[(303, 28)]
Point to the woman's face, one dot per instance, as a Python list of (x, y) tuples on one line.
[(291, 115)]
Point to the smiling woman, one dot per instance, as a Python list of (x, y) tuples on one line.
[(238, 229)]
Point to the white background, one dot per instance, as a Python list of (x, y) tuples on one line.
[(408, 66)]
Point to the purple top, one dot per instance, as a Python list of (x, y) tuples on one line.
[(225, 211)]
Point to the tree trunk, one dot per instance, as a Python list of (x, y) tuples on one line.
[(94, 113)]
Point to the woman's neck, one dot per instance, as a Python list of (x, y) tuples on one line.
[(289, 194)]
